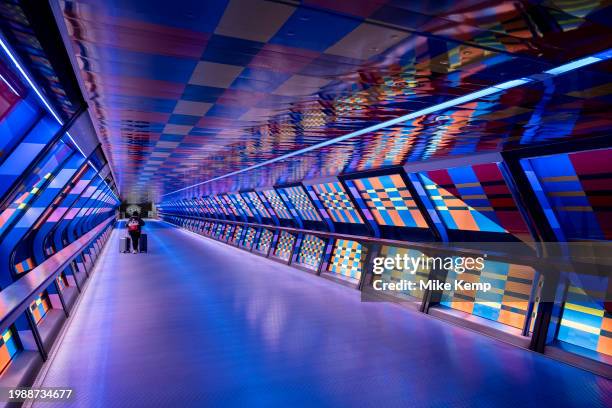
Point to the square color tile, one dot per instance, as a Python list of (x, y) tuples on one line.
[(199, 93), (214, 74), (332, 66), (188, 120), (258, 80), (299, 85), (366, 41), (226, 111), (231, 51), (253, 20), (298, 31), (192, 108), (257, 114), (240, 98), (177, 129), (359, 8), (274, 57)]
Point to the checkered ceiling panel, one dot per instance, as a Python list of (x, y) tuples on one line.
[(185, 91)]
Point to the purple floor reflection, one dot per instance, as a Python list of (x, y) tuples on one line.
[(197, 323)]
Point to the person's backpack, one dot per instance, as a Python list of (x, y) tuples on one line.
[(133, 225)]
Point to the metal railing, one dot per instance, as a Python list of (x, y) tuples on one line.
[(16, 298)]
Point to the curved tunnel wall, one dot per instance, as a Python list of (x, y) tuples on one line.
[(51, 194), (483, 202)]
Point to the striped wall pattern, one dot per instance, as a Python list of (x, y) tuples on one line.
[(508, 300), (577, 190), (585, 322), (474, 198)]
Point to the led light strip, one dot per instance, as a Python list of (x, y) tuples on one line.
[(570, 66), (24, 74)]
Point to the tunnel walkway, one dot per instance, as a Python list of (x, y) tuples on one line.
[(198, 323)]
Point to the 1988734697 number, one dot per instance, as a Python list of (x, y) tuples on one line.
[(46, 393)]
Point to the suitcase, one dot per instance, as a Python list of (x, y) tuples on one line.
[(142, 243), (124, 244)]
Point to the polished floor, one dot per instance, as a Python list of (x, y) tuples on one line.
[(196, 323)]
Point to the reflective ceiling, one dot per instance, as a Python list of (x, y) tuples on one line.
[(186, 91)]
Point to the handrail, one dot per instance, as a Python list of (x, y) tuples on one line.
[(18, 296), (439, 248)]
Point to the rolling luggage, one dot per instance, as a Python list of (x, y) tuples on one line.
[(142, 243), (124, 244)]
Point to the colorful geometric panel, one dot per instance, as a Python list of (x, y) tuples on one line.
[(397, 275), (40, 306), (8, 348), (32, 186), (219, 231), (277, 204), (390, 202), (347, 259), (301, 202), (212, 206), (311, 252), (221, 206), (265, 240), (474, 198), (577, 190), (227, 233), (249, 238), (508, 300), (230, 206), (337, 203), (284, 246), (237, 235), (585, 322), (62, 282), (257, 205), (242, 204), (25, 266)]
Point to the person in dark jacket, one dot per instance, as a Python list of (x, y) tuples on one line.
[(134, 226)]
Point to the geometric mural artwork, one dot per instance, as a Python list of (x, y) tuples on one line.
[(40, 306), (8, 348), (347, 259), (284, 246), (301, 202), (397, 275), (390, 201), (576, 189), (311, 252), (249, 238), (508, 300), (277, 204), (265, 240), (474, 198), (585, 322), (337, 203)]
